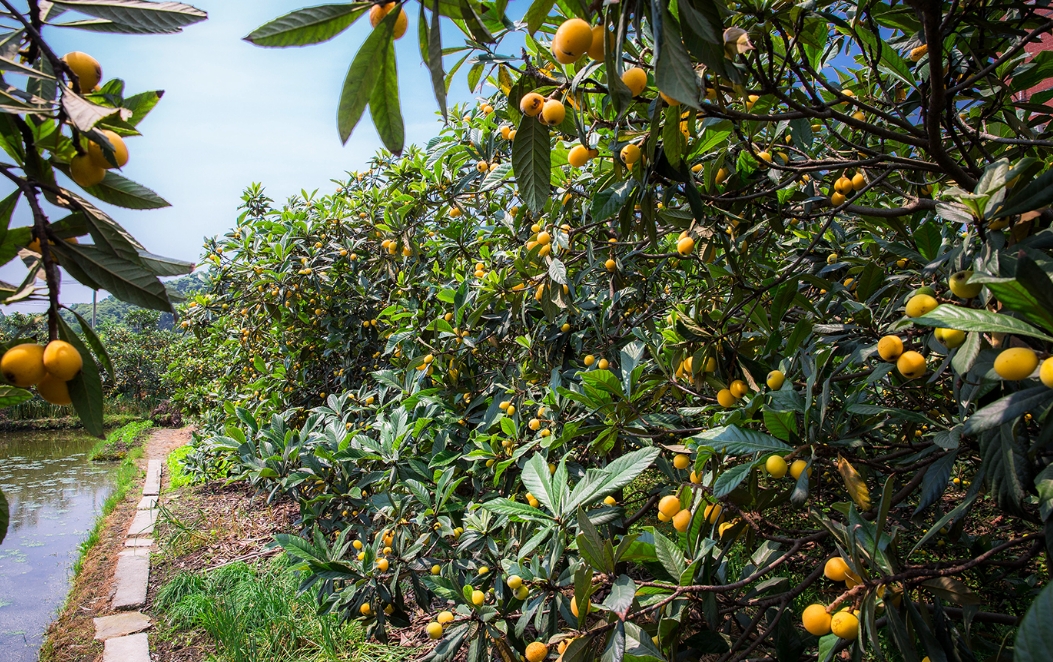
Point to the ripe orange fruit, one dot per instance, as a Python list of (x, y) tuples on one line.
[(120, 151), (596, 49), (1016, 363), (836, 569), (553, 113), (889, 348), (86, 68), (578, 156), (531, 104), (635, 79), (630, 154), (54, 390), (682, 520), (535, 650), (816, 620), (23, 365), (920, 304), (84, 171), (775, 466), (573, 39), (685, 245), (911, 365), (378, 12), (726, 399), (845, 625), (669, 505), (62, 360)]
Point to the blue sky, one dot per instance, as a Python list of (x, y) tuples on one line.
[(233, 114)]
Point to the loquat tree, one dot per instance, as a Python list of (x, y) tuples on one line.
[(715, 330)]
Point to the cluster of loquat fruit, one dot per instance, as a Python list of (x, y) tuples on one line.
[(88, 168), (48, 368)]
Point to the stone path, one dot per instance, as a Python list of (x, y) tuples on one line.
[(122, 633)]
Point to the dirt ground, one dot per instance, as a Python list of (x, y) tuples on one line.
[(70, 637)]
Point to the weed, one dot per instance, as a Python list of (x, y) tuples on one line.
[(119, 442)]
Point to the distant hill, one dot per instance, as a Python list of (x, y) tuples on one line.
[(111, 309)]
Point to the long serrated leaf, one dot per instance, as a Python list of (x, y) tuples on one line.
[(1008, 408), (726, 482), (362, 76), (147, 16), (532, 162), (308, 25), (733, 440), (122, 192), (1036, 194), (984, 321), (384, 102), (125, 280), (96, 345)]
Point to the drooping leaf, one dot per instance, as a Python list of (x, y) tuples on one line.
[(532, 162), (157, 17), (128, 281), (673, 73), (726, 482), (307, 25), (1036, 194), (384, 102), (1008, 409), (362, 76), (96, 344)]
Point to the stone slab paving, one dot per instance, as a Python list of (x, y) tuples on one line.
[(123, 633), (131, 579), (143, 523), (119, 625), (152, 487), (132, 648)]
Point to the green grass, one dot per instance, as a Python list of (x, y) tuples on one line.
[(177, 475), (252, 612), (123, 480), (119, 442)]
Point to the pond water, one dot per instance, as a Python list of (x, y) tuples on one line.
[(55, 495)]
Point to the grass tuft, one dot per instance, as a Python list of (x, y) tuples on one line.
[(118, 443), (253, 612)]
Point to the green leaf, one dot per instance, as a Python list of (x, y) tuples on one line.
[(672, 139), (308, 25), (935, 482), (1008, 408), (673, 73), (96, 344), (616, 475), (927, 238), (984, 321), (1034, 638), (434, 59), (11, 396), (1044, 489), (83, 114), (153, 17), (141, 104), (165, 266), (384, 102), (521, 512), (85, 390), (1037, 194), (122, 192), (958, 510), (726, 482), (125, 280), (609, 202), (538, 482), (532, 162), (15, 240), (1013, 295), (782, 424), (669, 555), (7, 207), (109, 27), (362, 76), (733, 440), (537, 13), (474, 24)]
